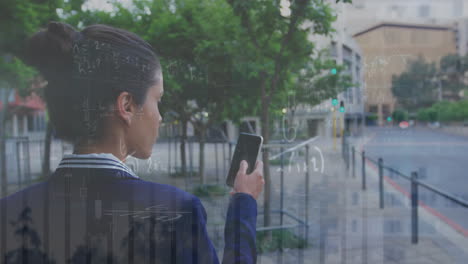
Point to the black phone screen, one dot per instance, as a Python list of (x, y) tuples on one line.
[(247, 148)]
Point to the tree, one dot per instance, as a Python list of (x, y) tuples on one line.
[(275, 46), (416, 88), (316, 82), (199, 39), (452, 73), (18, 20), (399, 115)]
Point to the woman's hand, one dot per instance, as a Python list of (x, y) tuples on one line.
[(252, 183)]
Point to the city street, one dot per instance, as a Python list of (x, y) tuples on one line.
[(442, 158), (439, 158)]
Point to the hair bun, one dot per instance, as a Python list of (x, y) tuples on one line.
[(50, 50)]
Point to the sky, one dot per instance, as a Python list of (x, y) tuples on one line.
[(104, 5)]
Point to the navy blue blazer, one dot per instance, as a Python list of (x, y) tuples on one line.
[(94, 209)]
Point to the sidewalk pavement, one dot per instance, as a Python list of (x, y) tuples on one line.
[(346, 223)]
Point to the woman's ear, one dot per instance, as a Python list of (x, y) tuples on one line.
[(125, 107)]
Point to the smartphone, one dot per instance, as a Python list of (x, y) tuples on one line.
[(247, 148)]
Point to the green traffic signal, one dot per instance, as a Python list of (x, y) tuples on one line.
[(389, 119), (333, 71), (334, 102), (342, 109)]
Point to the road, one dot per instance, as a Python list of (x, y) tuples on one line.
[(441, 160)]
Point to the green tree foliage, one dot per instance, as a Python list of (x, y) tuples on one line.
[(452, 73), (276, 46), (399, 115), (416, 88), (316, 83), (445, 112)]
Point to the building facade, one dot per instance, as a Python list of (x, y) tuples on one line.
[(362, 14), (26, 116), (388, 48), (324, 119)]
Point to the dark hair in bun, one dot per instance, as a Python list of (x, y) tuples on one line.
[(86, 71)]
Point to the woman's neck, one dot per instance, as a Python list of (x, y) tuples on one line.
[(118, 150)]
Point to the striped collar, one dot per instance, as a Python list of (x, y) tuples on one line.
[(94, 160)]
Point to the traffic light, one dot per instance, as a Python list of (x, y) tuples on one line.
[(333, 71), (342, 108), (389, 119), (334, 102)]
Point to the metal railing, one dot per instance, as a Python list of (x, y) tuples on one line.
[(349, 156)]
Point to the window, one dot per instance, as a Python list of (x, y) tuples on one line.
[(333, 51), (373, 108), (351, 95), (385, 109), (358, 95), (31, 123), (347, 53)]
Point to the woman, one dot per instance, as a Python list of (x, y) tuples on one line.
[(104, 85)]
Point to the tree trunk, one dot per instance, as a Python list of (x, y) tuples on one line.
[(201, 161), (3, 114), (47, 145), (183, 155), (3, 166)]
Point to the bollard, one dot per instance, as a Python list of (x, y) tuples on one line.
[(354, 162), (363, 170), (414, 208), (381, 189)]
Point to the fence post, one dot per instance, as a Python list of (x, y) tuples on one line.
[(230, 152), (414, 208), (224, 159), (307, 195), (281, 202), (191, 161), (169, 156), (354, 162), (347, 158), (343, 144), (216, 161), (381, 188), (363, 154), (281, 185), (176, 153), (18, 163)]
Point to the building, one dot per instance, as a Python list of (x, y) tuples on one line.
[(319, 119), (362, 14), (345, 51), (26, 117), (387, 49), (461, 36)]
